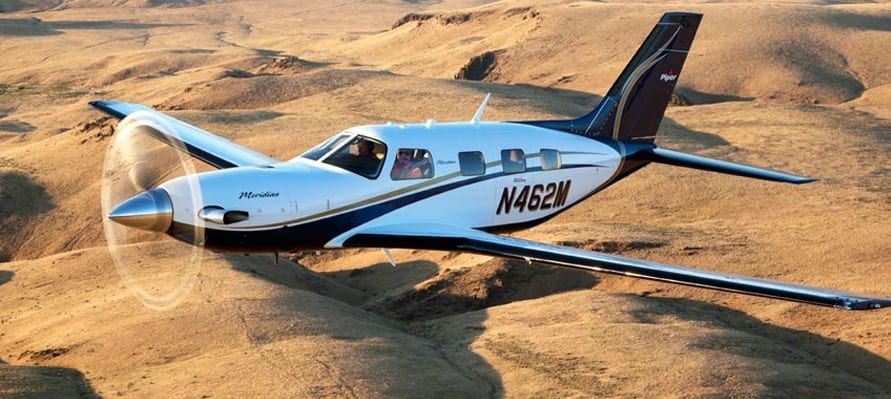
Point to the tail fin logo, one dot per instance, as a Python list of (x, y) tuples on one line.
[(670, 76)]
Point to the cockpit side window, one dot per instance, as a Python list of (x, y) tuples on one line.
[(325, 147), (361, 155), (412, 163)]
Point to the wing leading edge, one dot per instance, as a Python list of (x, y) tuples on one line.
[(206, 146), (441, 237)]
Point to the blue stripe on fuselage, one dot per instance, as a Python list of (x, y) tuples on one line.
[(317, 233)]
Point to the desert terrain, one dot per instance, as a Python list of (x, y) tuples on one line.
[(802, 86)]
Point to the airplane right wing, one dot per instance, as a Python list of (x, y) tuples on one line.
[(208, 147), (451, 238)]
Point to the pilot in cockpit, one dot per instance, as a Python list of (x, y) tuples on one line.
[(366, 159)]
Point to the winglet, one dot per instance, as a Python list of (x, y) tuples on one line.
[(479, 111)]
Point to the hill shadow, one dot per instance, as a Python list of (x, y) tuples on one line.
[(295, 276), (413, 364), (457, 352), (422, 293), (381, 278), (16, 126), (496, 282), (386, 342), (573, 103), (468, 292), (36, 27), (29, 382), (392, 292), (696, 97), (25, 27), (853, 360), (5, 275), (847, 20), (681, 138), (175, 3), (21, 196), (239, 117), (21, 199)]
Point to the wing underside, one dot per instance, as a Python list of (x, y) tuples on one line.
[(208, 147), (441, 237)]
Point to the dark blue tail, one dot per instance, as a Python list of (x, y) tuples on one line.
[(628, 117), (634, 106)]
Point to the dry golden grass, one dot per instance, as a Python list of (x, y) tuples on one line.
[(801, 86)]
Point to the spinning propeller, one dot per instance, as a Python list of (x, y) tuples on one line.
[(158, 269)]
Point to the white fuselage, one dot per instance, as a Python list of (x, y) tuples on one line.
[(317, 202)]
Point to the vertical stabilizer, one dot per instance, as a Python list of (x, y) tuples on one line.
[(636, 102)]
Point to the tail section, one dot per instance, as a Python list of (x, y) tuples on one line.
[(633, 107), (628, 117)]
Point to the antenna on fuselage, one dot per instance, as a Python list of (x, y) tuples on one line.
[(479, 111)]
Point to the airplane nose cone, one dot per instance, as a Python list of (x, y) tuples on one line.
[(151, 210)]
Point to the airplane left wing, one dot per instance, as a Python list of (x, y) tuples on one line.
[(450, 238), (208, 147)]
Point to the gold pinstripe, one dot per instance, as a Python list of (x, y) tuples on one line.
[(385, 196), (632, 80), (381, 197)]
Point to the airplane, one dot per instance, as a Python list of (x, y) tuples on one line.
[(446, 186)]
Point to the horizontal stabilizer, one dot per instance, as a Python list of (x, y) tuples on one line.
[(669, 157)]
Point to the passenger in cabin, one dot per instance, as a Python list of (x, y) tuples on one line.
[(412, 163), (515, 156), (513, 161), (422, 162), (403, 167)]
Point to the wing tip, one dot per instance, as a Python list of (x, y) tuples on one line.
[(801, 179), (107, 107), (867, 303)]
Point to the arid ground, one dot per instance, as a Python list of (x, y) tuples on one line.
[(802, 86)]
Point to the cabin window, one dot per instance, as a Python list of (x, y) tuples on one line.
[(472, 163), (361, 155), (513, 161), (325, 147), (412, 163), (550, 159)]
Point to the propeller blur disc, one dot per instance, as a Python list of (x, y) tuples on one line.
[(159, 270)]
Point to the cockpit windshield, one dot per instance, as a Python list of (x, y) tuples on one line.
[(325, 147), (361, 155)]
